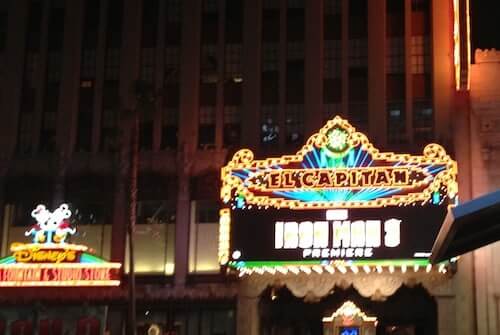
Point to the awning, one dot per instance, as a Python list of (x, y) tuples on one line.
[(467, 227)]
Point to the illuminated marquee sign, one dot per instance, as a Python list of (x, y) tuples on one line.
[(50, 261), (337, 198)]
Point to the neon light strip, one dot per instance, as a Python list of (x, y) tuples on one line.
[(60, 283), (60, 266), (395, 262), (54, 246)]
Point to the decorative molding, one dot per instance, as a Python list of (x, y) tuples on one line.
[(315, 286), (487, 56)]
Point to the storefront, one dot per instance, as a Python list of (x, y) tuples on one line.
[(336, 239), (52, 286)]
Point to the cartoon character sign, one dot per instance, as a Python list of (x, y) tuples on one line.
[(51, 227)]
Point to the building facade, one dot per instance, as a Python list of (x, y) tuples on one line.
[(209, 77)]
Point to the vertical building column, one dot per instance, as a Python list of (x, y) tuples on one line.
[(67, 114), (188, 131), (442, 66), (313, 66), (13, 70), (408, 72), (41, 77), (447, 319), (464, 278), (159, 78), (377, 116), (99, 78), (219, 105), (345, 59), (283, 47), (248, 319), (129, 70), (252, 55)]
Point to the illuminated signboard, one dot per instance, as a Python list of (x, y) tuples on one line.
[(50, 261), (337, 198)]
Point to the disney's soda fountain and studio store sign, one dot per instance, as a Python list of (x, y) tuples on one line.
[(49, 260)]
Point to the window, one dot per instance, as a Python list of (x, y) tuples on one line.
[(109, 116), (396, 123), (170, 127), (54, 65), (148, 64), (25, 134), (395, 18), (395, 55), (88, 64), (85, 117), (332, 7), (420, 54), (358, 19), (173, 17), (294, 123), (3, 29), (114, 24), (172, 65), (206, 130), (331, 110), (232, 66), (210, 22), (423, 121), (149, 23), (270, 57), (209, 63), (49, 115), (112, 64), (269, 125), (332, 59), (270, 23), (358, 53), (295, 20), (33, 34), (234, 22), (91, 24), (232, 125), (56, 28), (155, 237), (204, 230)]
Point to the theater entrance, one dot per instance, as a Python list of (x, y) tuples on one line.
[(409, 311)]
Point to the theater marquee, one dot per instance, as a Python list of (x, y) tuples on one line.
[(337, 199), (50, 261)]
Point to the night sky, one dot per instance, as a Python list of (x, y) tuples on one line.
[(485, 24)]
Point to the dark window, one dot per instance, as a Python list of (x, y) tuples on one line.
[(208, 94), (112, 65), (232, 126), (420, 17), (232, 93), (91, 24), (295, 24), (421, 86), (269, 128), (396, 123), (173, 22), (149, 23), (358, 19), (3, 29), (114, 24), (146, 135), (396, 87), (333, 27), (206, 130), (332, 90), (423, 121), (295, 81), (148, 57), (109, 117), (271, 25), (85, 116), (209, 22), (270, 88), (56, 29), (48, 130), (207, 211), (294, 124), (234, 21), (395, 18), (170, 122), (33, 34)]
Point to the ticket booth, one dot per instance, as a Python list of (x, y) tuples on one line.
[(349, 320)]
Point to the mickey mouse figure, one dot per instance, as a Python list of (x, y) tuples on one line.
[(51, 227)]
